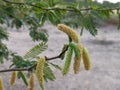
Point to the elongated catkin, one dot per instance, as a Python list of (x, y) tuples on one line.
[(31, 82), (69, 31), (76, 66), (13, 78), (76, 50), (80, 48), (86, 59), (67, 63), (39, 71), (1, 84)]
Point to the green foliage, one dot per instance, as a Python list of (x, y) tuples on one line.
[(56, 66), (3, 34), (23, 77), (64, 48), (48, 74), (36, 50), (39, 35), (67, 63), (19, 62), (119, 21), (4, 53), (76, 51)]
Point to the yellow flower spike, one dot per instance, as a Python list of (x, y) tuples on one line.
[(69, 31), (31, 82), (80, 47), (39, 71), (86, 59), (13, 78), (76, 66), (1, 84)]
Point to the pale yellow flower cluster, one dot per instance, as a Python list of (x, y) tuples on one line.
[(1, 84), (83, 52), (39, 71), (13, 78), (70, 32), (31, 82)]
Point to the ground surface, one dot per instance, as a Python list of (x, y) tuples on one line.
[(104, 50)]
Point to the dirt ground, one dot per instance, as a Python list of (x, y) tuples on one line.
[(104, 51)]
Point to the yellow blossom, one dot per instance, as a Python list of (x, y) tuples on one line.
[(39, 71), (13, 78), (69, 31)]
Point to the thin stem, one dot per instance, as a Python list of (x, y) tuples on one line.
[(47, 59), (14, 69)]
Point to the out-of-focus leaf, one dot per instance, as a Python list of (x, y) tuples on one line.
[(64, 48), (22, 75), (4, 53), (90, 25), (17, 23), (48, 74), (43, 18), (39, 35), (3, 34), (56, 66), (118, 21), (53, 18)]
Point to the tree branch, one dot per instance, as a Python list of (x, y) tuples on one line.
[(62, 9), (33, 66)]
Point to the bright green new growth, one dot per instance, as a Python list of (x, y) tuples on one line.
[(67, 63), (76, 50), (36, 50)]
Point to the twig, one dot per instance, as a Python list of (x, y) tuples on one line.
[(32, 67), (58, 55), (62, 9), (14, 69)]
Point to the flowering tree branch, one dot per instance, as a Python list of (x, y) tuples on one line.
[(62, 9), (33, 66)]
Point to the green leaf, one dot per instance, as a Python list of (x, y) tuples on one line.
[(42, 4), (50, 2), (48, 74), (39, 35), (118, 21), (43, 19), (22, 75), (4, 53), (36, 50), (51, 17), (67, 63), (64, 48), (3, 34), (90, 25), (17, 23), (56, 66), (76, 50)]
